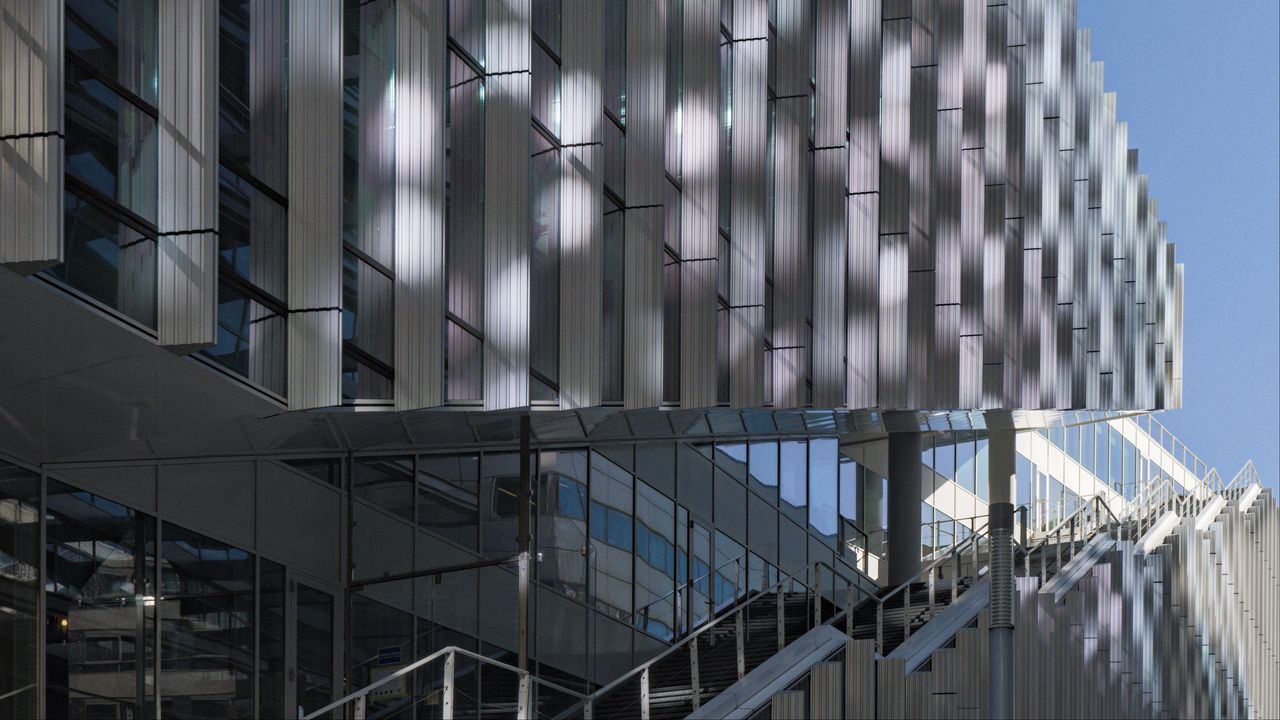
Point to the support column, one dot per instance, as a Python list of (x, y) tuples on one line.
[(1002, 463), (904, 507)]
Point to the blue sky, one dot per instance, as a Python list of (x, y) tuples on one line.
[(1199, 84)]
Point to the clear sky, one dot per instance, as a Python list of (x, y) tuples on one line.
[(1199, 84)]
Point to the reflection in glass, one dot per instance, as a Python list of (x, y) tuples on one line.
[(206, 627), (730, 570), (314, 648), (251, 234), (271, 643), (381, 643), (655, 562), (544, 260), (100, 593), (792, 479), (385, 482), (19, 588), (116, 38), (611, 538), (763, 468), (448, 501), (110, 261), (110, 143), (251, 338), (562, 522), (823, 491)]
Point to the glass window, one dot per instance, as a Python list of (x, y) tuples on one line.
[(730, 506), (206, 627), (546, 23), (763, 469), (314, 648), (544, 291), (116, 39), (610, 523), (615, 58), (615, 159), (823, 487), (655, 550), (20, 564), (793, 479), (670, 321), (612, 360), (448, 502), (966, 459), (849, 471), (562, 522), (386, 483), (726, 133), (546, 90), (271, 640), (982, 471), (732, 458), (252, 76), (467, 26), (1022, 468), (694, 481), (730, 574), (100, 586), (252, 234), (110, 144), (656, 465), (111, 261), (464, 183), (463, 364), (382, 629), (251, 339), (367, 329), (499, 503)]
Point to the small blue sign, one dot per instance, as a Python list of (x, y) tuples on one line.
[(389, 655)]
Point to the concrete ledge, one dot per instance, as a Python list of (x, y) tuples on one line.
[(1249, 497), (1158, 532), (920, 647), (1075, 569), (742, 699), (1210, 512)]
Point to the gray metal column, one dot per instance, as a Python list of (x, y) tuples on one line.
[(1002, 459), (904, 507)]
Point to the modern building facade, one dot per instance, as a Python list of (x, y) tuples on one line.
[(544, 342)]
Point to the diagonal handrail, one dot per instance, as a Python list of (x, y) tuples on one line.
[(736, 612), (452, 650)]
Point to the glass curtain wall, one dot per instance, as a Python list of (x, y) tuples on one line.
[(110, 155), (252, 188), (544, 205), (19, 590)]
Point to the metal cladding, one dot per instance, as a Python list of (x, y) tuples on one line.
[(31, 135), (907, 204)]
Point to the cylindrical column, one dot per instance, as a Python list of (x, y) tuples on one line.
[(904, 507), (1002, 464)]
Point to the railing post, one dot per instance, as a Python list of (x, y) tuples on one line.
[(742, 656), (848, 610), (644, 693), (880, 627), (695, 684), (782, 620), (446, 702), (358, 712), (524, 702), (931, 588), (817, 595), (955, 580), (906, 613)]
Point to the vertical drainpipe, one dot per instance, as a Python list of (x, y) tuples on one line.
[(1002, 451)]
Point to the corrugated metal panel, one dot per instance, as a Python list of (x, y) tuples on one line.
[(421, 94), (792, 251), (581, 204), (862, 301), (506, 207), (749, 164), (646, 188), (32, 130), (700, 208), (830, 220), (315, 203), (187, 212)]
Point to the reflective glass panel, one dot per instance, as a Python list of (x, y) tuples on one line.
[(610, 525), (116, 38), (562, 522), (108, 260), (823, 487), (655, 550), (19, 567), (271, 640), (100, 593), (110, 143), (793, 471), (763, 467), (206, 627), (448, 498)]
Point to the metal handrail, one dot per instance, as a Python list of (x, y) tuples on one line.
[(642, 612), (452, 650), (1088, 525), (736, 612)]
